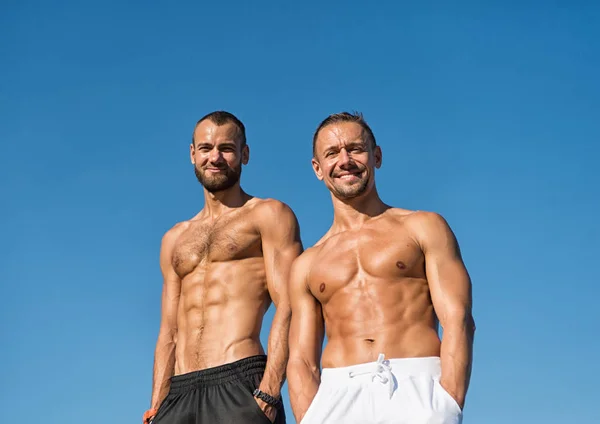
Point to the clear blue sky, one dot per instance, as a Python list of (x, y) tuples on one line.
[(488, 114)]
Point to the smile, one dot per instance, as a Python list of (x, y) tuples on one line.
[(351, 176)]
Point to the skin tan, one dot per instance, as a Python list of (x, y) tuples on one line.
[(378, 281), (222, 269)]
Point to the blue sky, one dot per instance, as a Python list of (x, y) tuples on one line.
[(488, 114)]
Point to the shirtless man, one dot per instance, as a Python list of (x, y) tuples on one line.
[(221, 270), (378, 282)]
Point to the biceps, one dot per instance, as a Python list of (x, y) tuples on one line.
[(170, 304), (278, 265), (306, 331), (450, 287)]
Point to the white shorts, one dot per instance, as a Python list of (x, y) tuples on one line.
[(399, 391)]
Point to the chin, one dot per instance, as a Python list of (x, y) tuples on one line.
[(344, 195), (349, 192)]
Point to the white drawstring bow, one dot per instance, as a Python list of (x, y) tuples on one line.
[(382, 371)]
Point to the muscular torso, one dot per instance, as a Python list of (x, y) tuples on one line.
[(223, 290), (374, 294)]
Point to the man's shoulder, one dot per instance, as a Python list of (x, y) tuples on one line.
[(273, 212), (271, 206), (426, 218), (307, 256), (417, 217), (427, 227), (175, 231)]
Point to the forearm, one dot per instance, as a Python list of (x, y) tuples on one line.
[(164, 367), (278, 352), (456, 356), (303, 384)]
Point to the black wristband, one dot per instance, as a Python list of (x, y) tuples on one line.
[(267, 398)]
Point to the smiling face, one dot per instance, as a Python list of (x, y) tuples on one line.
[(218, 154), (345, 159)]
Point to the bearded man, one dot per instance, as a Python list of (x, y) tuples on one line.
[(221, 269)]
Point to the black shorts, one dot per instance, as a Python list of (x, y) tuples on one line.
[(217, 395)]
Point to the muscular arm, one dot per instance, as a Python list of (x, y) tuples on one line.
[(164, 356), (306, 341), (450, 287), (281, 245)]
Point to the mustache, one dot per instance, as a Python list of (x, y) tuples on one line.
[(352, 170), (221, 167)]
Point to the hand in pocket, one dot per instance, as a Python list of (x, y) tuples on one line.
[(452, 396), (267, 409)]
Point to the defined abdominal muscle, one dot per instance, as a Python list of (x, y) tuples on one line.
[(352, 344), (217, 332), (223, 335), (417, 342), (220, 314)]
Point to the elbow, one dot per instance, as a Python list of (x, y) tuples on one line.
[(295, 374), (283, 310), (298, 364), (460, 319), (469, 325), (291, 367), (167, 335)]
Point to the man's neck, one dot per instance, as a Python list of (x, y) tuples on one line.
[(220, 202), (351, 214)]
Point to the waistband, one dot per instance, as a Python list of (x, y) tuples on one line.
[(403, 367), (234, 371)]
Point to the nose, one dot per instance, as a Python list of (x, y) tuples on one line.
[(215, 156), (344, 158)]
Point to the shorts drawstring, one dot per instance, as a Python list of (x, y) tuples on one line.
[(382, 372)]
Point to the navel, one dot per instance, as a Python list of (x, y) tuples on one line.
[(322, 287), (400, 265)]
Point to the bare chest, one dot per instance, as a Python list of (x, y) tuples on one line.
[(204, 243), (365, 257)]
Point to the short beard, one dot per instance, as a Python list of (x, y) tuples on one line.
[(220, 182), (350, 192)]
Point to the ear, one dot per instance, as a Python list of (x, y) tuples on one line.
[(245, 154), (378, 157), (317, 168), (192, 154)]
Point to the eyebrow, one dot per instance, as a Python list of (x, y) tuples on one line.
[(358, 142), (221, 145), (353, 143), (228, 144)]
